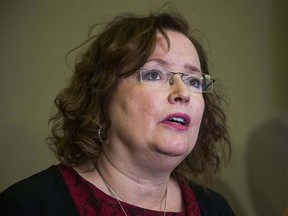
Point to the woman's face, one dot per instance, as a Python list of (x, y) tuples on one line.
[(152, 125)]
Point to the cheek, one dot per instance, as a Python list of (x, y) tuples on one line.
[(144, 106), (132, 102), (146, 100), (201, 108), (198, 106)]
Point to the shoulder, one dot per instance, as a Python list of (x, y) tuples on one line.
[(40, 194), (35, 185), (211, 202)]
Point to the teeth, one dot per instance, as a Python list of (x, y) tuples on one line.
[(177, 119)]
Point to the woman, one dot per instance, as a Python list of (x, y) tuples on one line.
[(138, 129)]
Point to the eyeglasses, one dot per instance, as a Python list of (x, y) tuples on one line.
[(195, 81)]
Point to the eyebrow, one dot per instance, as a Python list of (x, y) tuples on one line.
[(164, 62)]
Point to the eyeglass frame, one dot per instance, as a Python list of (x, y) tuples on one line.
[(171, 79)]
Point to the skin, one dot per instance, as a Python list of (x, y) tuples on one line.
[(142, 148)]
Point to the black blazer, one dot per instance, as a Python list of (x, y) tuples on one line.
[(46, 194)]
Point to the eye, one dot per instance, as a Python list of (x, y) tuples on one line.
[(151, 75), (194, 82)]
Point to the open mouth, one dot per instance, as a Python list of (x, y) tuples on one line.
[(177, 120), (180, 119)]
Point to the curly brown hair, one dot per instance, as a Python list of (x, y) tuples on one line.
[(124, 44)]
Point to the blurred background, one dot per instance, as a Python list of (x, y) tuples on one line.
[(246, 42)]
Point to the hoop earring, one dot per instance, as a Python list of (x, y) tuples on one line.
[(100, 133)]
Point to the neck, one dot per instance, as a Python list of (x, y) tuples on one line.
[(132, 188)]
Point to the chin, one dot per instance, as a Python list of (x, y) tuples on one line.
[(170, 160), (179, 150)]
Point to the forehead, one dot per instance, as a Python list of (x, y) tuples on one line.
[(181, 52)]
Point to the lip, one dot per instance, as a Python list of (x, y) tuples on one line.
[(176, 126)]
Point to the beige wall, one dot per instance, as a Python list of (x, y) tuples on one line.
[(247, 46)]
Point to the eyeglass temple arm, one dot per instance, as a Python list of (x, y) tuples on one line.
[(212, 81)]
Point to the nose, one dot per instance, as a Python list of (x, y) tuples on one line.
[(179, 91)]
